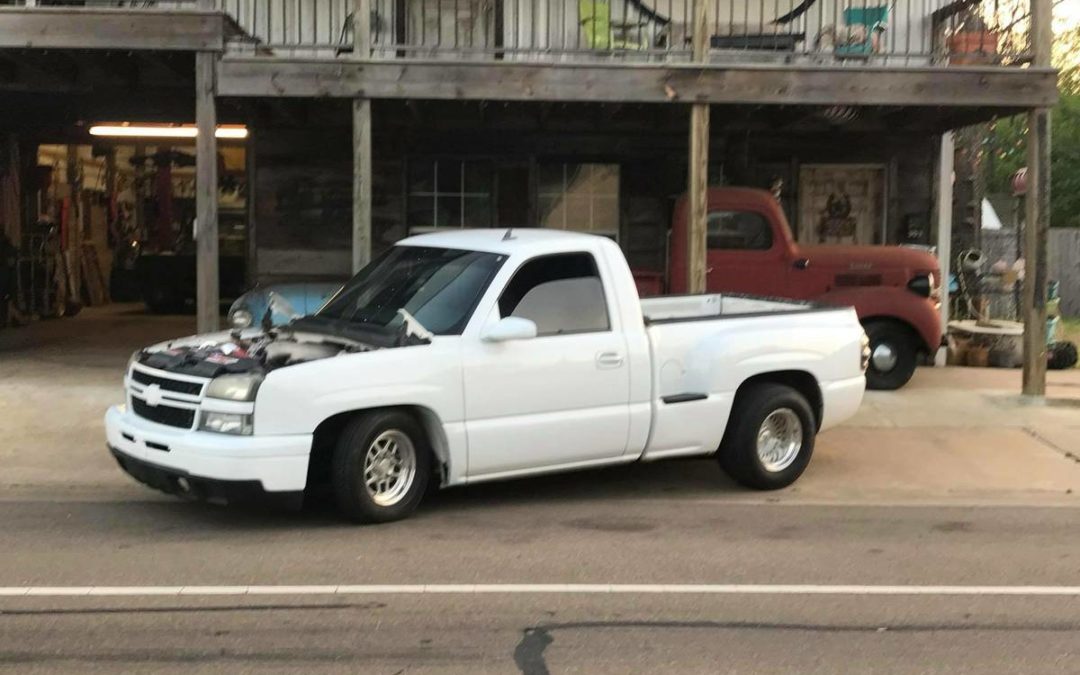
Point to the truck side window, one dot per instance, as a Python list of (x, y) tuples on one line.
[(560, 293), (739, 230)]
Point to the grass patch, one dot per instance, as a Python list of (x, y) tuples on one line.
[(1069, 329)]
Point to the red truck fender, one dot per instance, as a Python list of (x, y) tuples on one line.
[(892, 303)]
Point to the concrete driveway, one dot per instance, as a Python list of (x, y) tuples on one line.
[(953, 435)]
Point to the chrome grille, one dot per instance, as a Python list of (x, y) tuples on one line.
[(183, 418), (160, 397), (179, 386)]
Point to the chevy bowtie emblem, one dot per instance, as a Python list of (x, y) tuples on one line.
[(152, 394)]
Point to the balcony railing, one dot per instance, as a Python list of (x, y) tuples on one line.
[(796, 32)]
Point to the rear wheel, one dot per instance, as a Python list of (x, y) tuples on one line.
[(381, 467), (770, 437), (893, 355)]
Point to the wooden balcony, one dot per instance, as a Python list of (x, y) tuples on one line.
[(949, 53)]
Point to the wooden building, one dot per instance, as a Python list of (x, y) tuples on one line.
[(371, 119)]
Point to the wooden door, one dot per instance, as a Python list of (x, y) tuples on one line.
[(841, 204)]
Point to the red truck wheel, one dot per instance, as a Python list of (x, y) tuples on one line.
[(893, 355)]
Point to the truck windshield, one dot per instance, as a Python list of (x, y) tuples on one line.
[(438, 286)]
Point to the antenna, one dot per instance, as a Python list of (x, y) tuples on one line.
[(509, 234)]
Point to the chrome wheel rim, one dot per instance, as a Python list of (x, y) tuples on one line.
[(389, 467), (779, 439), (883, 357)]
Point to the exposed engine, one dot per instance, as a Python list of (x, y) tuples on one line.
[(246, 351), (254, 350)]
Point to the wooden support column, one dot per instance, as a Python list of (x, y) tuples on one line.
[(698, 174), (74, 253), (361, 119), (1037, 220), (207, 300), (361, 239), (943, 213)]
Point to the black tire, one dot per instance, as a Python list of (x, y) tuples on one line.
[(347, 467), (738, 452), (898, 338), (1061, 356)]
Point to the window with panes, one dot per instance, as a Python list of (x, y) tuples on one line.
[(579, 197), (448, 193)]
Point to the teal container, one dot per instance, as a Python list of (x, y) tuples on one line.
[(1051, 329), (1053, 289)]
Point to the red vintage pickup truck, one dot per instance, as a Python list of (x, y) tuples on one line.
[(751, 250)]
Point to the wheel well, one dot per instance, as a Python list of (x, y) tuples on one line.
[(799, 380), (328, 431), (901, 325)]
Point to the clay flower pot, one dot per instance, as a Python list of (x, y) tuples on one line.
[(976, 47)]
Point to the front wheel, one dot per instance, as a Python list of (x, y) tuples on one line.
[(893, 355), (381, 467), (770, 437)]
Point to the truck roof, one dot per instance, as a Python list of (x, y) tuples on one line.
[(523, 240)]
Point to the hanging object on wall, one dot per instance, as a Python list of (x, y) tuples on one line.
[(839, 114)]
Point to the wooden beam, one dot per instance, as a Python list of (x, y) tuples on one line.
[(643, 83), (1036, 224), (207, 299), (251, 269), (698, 173), (1037, 220), (698, 191), (112, 28), (74, 251), (943, 212), (361, 29), (361, 116), (361, 239)]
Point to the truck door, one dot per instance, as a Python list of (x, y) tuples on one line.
[(559, 398), (743, 255)]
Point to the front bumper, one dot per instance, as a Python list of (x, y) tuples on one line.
[(183, 484), (272, 464)]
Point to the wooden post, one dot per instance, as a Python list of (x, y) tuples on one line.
[(1037, 220), (252, 267), (361, 29), (74, 253), (361, 240), (943, 213), (698, 174), (207, 300)]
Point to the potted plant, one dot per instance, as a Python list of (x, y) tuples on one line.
[(972, 42)]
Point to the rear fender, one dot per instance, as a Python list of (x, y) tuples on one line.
[(898, 304)]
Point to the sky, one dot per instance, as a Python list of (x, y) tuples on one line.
[(1066, 17), (1067, 13)]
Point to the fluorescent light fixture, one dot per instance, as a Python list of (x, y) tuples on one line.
[(127, 130)]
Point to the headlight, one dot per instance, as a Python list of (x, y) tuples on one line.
[(226, 423), (922, 285), (235, 387), (241, 318)]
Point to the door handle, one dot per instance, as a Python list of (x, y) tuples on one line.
[(609, 360)]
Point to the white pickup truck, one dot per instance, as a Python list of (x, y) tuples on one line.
[(479, 355)]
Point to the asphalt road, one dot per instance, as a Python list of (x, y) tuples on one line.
[(546, 531), (935, 485)]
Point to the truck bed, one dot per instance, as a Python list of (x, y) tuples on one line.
[(714, 305)]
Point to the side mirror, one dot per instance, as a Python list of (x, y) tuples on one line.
[(510, 328), (801, 263)]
